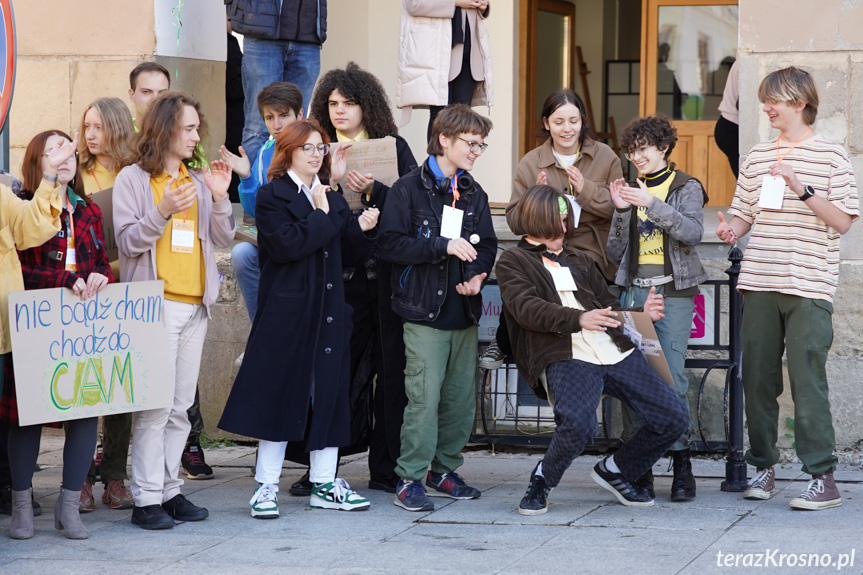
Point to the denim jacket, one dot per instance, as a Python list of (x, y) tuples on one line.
[(681, 217), (410, 239)]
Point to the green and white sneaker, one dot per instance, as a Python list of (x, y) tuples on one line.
[(337, 495), (265, 502)]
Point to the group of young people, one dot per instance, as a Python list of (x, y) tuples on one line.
[(380, 297)]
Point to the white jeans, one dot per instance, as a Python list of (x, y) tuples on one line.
[(271, 455), (160, 434)]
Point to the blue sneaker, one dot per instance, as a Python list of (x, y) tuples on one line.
[(411, 495), (450, 485)]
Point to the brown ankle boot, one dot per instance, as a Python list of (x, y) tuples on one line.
[(21, 526), (66, 515)]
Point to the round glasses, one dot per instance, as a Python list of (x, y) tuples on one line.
[(475, 147), (642, 152), (321, 149)]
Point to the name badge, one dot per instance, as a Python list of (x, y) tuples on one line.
[(772, 193), (563, 280), (71, 262), (182, 236), (450, 226), (576, 210)]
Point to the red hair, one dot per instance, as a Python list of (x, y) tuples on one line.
[(31, 167), (291, 139)]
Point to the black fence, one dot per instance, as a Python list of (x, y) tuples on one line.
[(508, 413)]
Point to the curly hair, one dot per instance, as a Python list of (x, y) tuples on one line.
[(359, 86), (118, 131), (162, 124), (649, 131)]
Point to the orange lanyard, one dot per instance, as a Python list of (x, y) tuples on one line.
[(98, 183), (455, 194), (780, 158), (552, 263)]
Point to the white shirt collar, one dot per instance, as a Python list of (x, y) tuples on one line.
[(301, 185)]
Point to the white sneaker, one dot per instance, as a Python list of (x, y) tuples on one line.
[(265, 502), (337, 495)]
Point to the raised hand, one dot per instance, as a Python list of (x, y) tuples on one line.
[(616, 198), (639, 196), (319, 198), (58, 156), (218, 179), (176, 201), (575, 178), (240, 164), (541, 179), (360, 183), (339, 162), (724, 231), (598, 319), (369, 219)]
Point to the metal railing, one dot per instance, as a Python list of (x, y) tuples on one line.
[(508, 413)]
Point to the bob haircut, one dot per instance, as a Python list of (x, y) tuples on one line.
[(538, 214), (649, 131), (31, 167), (360, 86), (560, 98), (454, 121), (792, 86), (290, 140), (147, 67), (281, 97), (117, 134), (161, 126)]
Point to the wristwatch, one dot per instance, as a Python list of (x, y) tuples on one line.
[(808, 192)]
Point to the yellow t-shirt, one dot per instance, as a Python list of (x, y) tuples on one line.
[(650, 248), (97, 179), (183, 273)]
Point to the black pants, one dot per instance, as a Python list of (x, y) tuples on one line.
[(460, 88), (577, 387), (727, 135)]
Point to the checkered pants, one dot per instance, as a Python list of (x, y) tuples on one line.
[(578, 386)]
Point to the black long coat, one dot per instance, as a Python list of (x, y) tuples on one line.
[(293, 384)]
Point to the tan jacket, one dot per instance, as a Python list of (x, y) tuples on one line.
[(23, 225), (427, 60), (600, 166)]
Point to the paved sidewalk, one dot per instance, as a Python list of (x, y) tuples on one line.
[(585, 530)]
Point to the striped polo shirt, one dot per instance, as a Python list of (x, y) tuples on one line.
[(791, 250)]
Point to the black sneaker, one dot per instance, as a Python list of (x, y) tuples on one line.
[(302, 487), (617, 484), (151, 517), (644, 484), (193, 463), (181, 509), (387, 484), (535, 498), (6, 501), (492, 358)]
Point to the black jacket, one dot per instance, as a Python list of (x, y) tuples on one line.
[(298, 20), (298, 353), (410, 240)]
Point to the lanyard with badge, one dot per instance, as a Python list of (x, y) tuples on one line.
[(773, 187), (183, 233), (71, 260), (451, 221), (576, 207)]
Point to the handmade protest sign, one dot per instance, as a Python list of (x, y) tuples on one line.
[(638, 326), (375, 157), (76, 359)]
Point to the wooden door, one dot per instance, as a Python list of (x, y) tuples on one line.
[(687, 48)]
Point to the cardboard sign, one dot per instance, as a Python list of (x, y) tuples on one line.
[(76, 359), (646, 340), (375, 157), (105, 201)]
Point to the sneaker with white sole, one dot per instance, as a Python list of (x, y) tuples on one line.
[(619, 486), (337, 495), (820, 493), (762, 485), (493, 357), (265, 502)]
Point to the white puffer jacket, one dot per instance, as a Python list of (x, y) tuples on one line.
[(427, 61)]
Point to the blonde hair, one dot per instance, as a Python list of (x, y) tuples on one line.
[(118, 131), (793, 86)]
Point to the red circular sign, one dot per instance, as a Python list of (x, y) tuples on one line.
[(8, 55)]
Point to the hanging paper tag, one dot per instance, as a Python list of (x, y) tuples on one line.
[(563, 280), (182, 236), (772, 193), (71, 262), (576, 210), (451, 222)]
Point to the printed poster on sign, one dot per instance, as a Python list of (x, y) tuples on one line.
[(76, 359)]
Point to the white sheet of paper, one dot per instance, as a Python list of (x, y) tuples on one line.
[(772, 192), (576, 210), (563, 280), (450, 226)]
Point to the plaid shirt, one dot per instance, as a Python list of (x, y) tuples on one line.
[(45, 266)]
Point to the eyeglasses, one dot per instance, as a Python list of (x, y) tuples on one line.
[(321, 149), (74, 155), (475, 147), (642, 151)]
